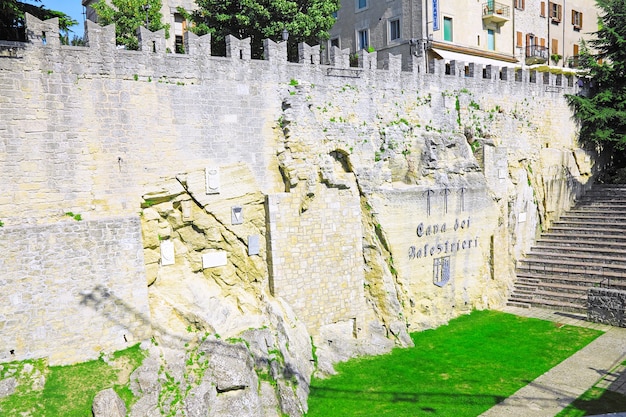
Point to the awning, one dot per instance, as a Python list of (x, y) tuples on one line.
[(455, 56)]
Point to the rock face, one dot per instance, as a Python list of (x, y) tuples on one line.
[(7, 387), (224, 345), (108, 404)]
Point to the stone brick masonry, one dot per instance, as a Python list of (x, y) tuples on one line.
[(89, 129)]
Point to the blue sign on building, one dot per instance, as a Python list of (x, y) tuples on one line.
[(435, 15)]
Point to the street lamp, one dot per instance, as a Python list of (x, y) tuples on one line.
[(145, 9), (285, 35)]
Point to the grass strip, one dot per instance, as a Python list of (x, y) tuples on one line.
[(597, 400), (461, 369), (68, 391)]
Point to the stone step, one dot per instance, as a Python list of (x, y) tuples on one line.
[(563, 277), (559, 305), (572, 256), (569, 288), (584, 231), (593, 217), (519, 296), (617, 203), (521, 304), (567, 297), (565, 264), (591, 245), (583, 249), (609, 224), (599, 210), (585, 281)]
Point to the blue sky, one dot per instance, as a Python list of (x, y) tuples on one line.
[(71, 8)]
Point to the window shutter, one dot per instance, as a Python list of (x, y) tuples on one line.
[(527, 39), (580, 19), (519, 39), (573, 17), (523, 4), (555, 46), (575, 49), (542, 42), (559, 11), (543, 9)]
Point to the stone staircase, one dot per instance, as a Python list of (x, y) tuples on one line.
[(585, 248)]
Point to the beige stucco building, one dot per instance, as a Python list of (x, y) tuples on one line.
[(503, 33), (171, 17)]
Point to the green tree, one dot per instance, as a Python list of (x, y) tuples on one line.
[(12, 20), (600, 109), (128, 16), (305, 20)]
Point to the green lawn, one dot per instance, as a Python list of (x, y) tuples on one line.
[(67, 391), (457, 370)]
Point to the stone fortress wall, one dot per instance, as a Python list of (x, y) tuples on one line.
[(373, 215)]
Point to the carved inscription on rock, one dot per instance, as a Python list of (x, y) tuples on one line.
[(436, 247), (441, 241)]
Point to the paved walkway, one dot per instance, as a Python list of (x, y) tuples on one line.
[(547, 395)]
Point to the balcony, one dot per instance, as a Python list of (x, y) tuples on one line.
[(573, 61), (497, 13), (536, 54)]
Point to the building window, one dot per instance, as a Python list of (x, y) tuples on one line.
[(363, 39), (334, 42), (555, 46), (577, 20), (520, 4), (394, 29), (447, 29), (491, 40), (361, 4), (180, 27), (556, 12)]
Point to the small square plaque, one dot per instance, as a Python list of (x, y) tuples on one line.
[(236, 215), (186, 208), (254, 245), (212, 180), (522, 217), (214, 259), (167, 253)]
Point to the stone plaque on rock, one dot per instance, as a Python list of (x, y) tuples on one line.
[(254, 245), (212, 180), (185, 205), (167, 253), (441, 271), (214, 259), (236, 215)]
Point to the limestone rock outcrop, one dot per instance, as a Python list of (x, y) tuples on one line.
[(108, 404)]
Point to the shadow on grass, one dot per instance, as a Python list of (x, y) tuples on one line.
[(405, 397), (596, 401)]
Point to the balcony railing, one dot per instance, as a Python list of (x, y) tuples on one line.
[(496, 12), (573, 61), (536, 54)]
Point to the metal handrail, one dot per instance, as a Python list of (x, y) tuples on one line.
[(491, 8)]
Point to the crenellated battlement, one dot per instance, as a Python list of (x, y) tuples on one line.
[(101, 49)]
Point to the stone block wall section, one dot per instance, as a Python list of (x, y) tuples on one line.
[(71, 290), (85, 129), (90, 129), (317, 255), (607, 306)]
